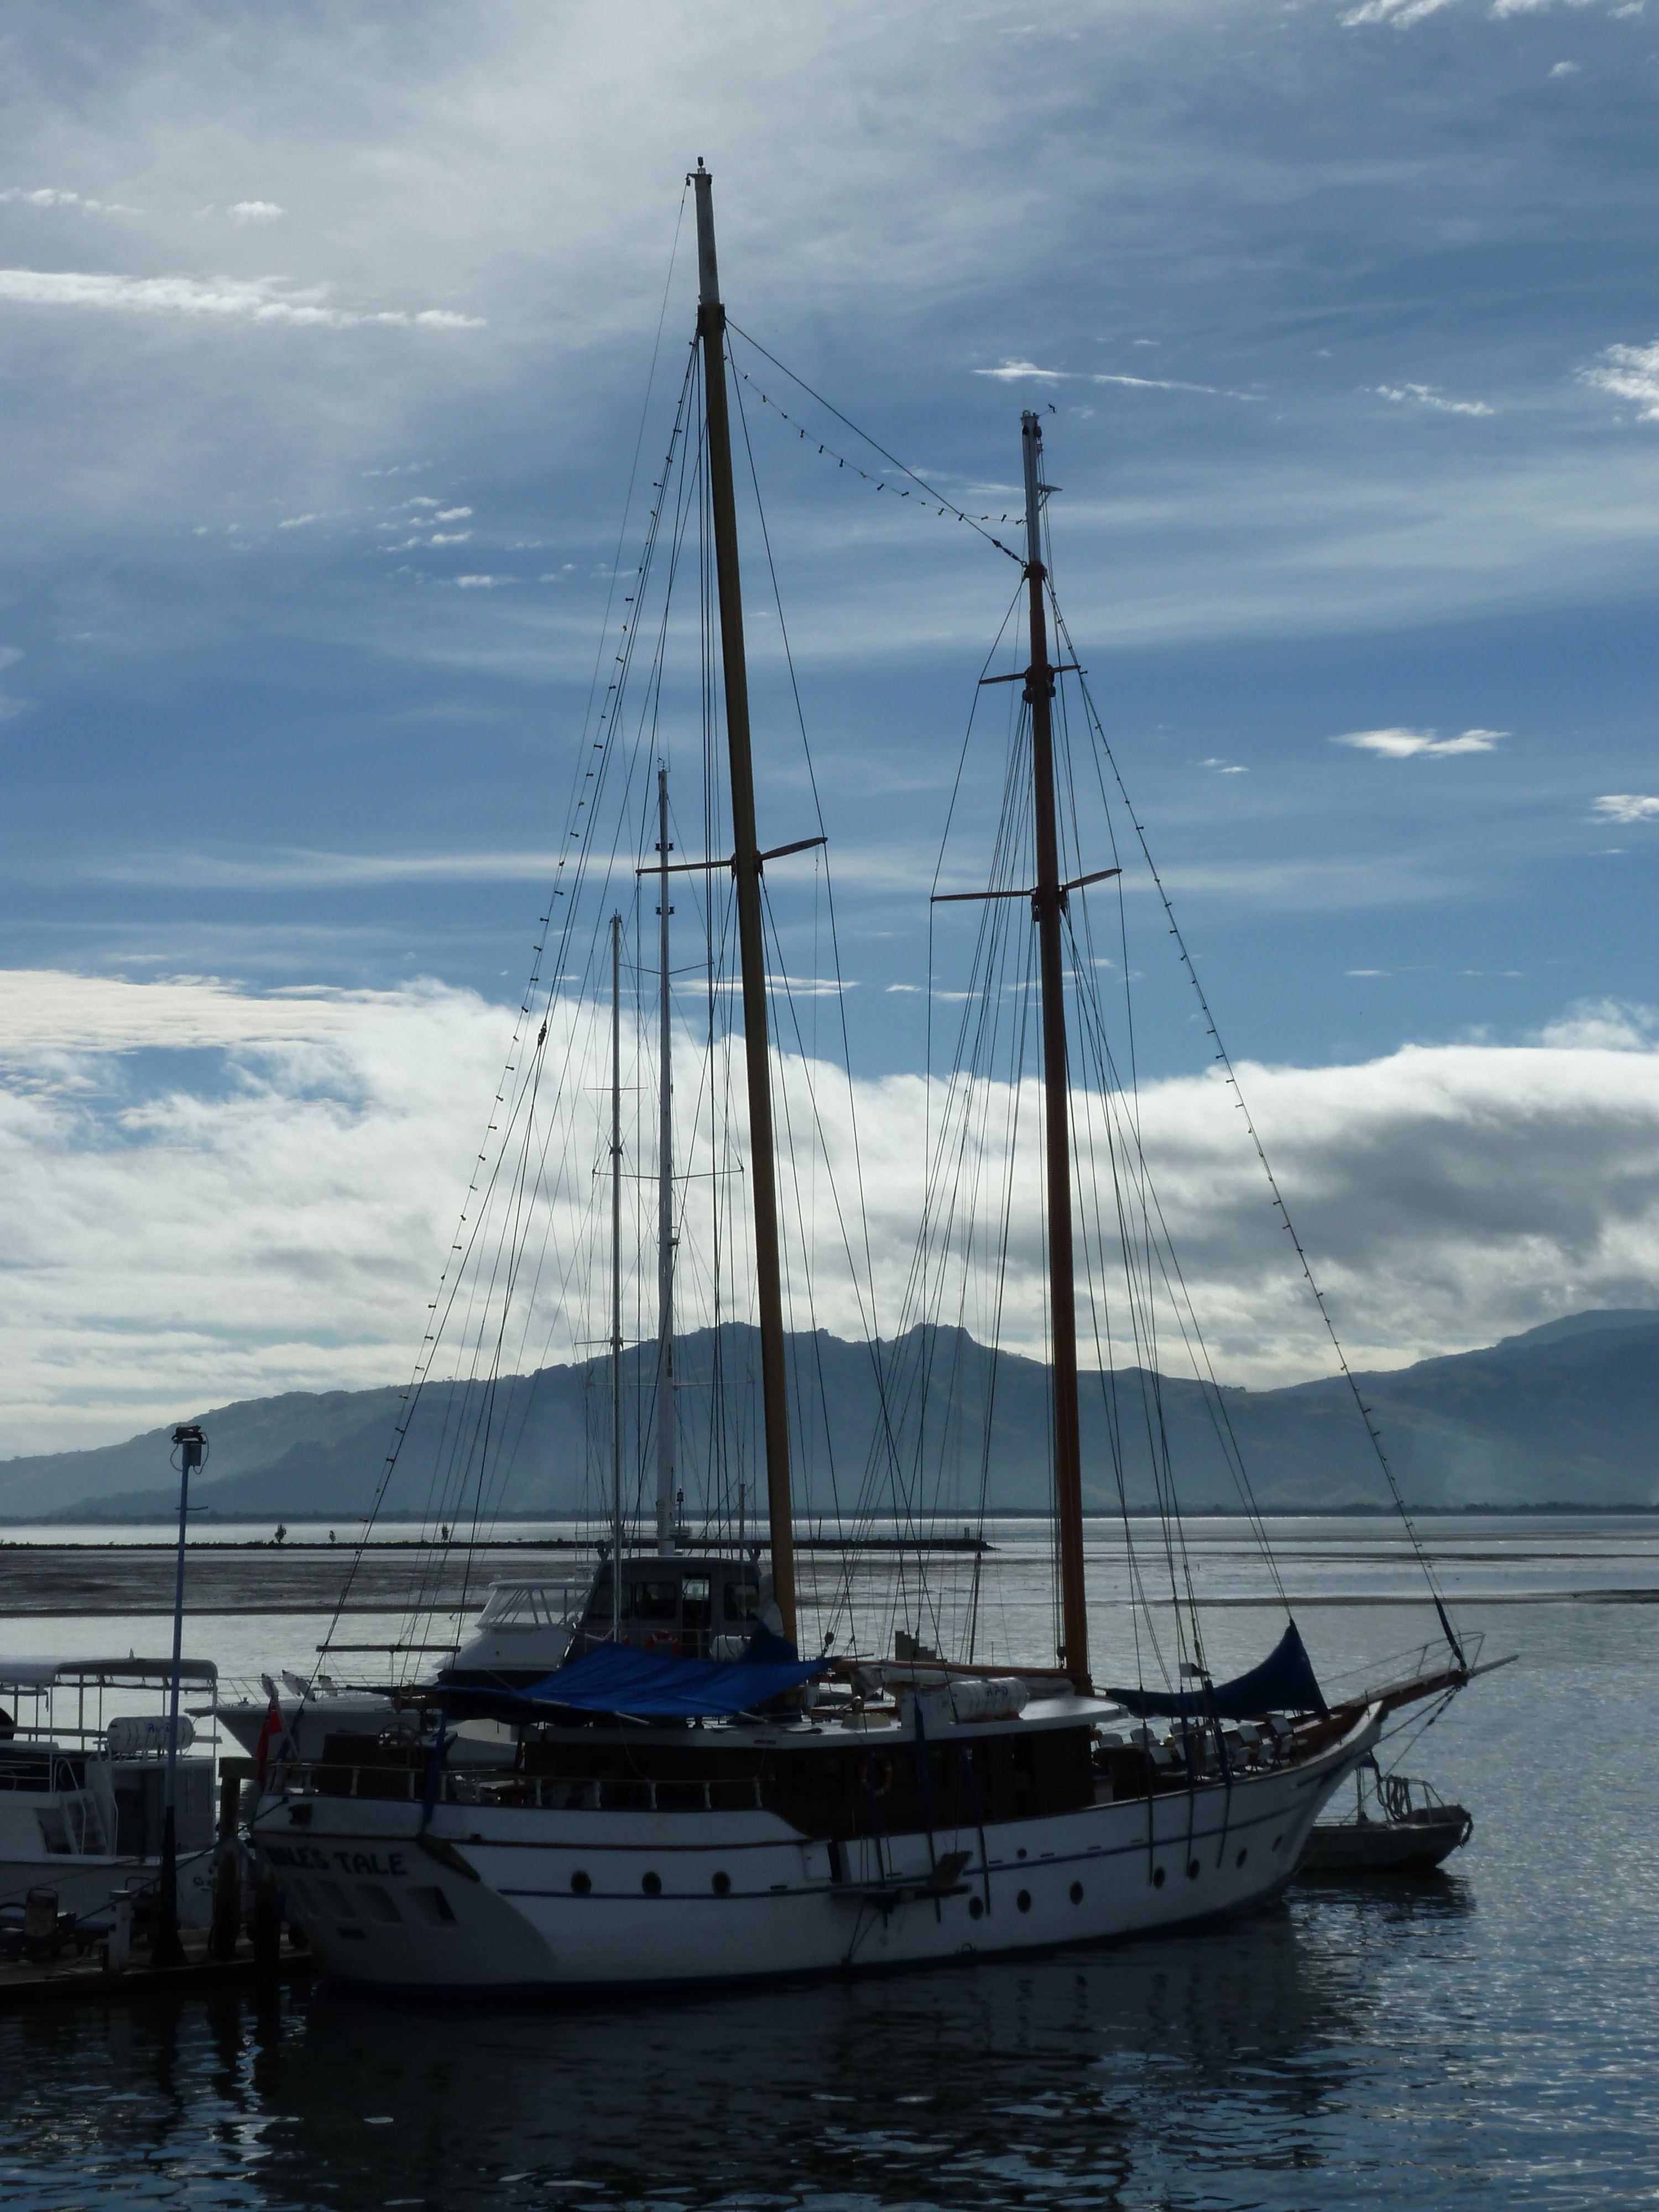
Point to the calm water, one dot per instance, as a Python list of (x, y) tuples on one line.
[(1486, 2037)]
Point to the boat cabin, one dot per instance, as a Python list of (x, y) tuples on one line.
[(696, 1605)]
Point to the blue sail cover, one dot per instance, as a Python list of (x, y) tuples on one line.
[(615, 1678), (1282, 1683)]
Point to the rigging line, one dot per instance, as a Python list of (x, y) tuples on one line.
[(873, 1338), (872, 443), (411, 1396), (1226, 1061), (1168, 1258)]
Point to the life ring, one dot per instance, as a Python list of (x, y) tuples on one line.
[(876, 1773)]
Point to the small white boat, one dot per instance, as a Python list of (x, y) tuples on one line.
[(82, 1791)]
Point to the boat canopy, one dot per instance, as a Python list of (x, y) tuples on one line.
[(1284, 1682), (100, 1673), (617, 1678)]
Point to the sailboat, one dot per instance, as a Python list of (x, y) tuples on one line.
[(701, 1802)]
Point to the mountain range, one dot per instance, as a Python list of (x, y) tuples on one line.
[(1566, 1415)]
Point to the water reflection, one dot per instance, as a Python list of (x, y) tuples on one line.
[(1095, 2078)]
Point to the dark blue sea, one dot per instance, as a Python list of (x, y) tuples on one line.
[(1486, 2037)]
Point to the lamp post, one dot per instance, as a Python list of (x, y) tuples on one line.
[(166, 1949)]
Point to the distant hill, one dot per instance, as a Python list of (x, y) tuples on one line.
[(1566, 1414)]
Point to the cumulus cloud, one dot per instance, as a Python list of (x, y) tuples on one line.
[(257, 211), (270, 1207), (1426, 395), (1629, 373), (1604, 1025), (296, 521), (223, 297), (1627, 806), (1403, 744)]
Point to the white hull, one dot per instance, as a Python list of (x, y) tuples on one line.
[(378, 1904), (86, 1881)]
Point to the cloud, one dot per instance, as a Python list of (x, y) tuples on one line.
[(1011, 372), (225, 298), (450, 536), (1400, 13), (1627, 806), (479, 583), (207, 1193), (450, 514), (1629, 373), (1402, 744), (257, 211), (300, 869), (1566, 69), (46, 196), (10, 704), (1426, 395), (1604, 1025), (297, 521), (1224, 767)]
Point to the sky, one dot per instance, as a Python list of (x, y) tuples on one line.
[(328, 337)]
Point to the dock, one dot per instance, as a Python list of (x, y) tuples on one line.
[(83, 1977)]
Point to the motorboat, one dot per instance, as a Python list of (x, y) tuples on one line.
[(82, 1789)]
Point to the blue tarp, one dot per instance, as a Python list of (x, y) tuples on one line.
[(615, 1678), (1282, 1683)]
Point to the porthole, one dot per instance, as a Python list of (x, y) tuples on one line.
[(1157, 1877), (722, 1884), (975, 1907), (1077, 1893), (1191, 1869), (580, 1883), (1024, 1900), (651, 1884), (1240, 1860)]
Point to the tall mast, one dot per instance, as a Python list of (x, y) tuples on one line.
[(1049, 901), (746, 869), (616, 1272), (665, 1206)]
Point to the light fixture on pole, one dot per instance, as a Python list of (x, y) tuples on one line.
[(166, 1949)]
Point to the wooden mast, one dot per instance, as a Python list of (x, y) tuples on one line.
[(665, 1428), (616, 1273), (746, 869), (1049, 902)]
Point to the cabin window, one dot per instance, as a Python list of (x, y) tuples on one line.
[(742, 1601), (654, 1600)]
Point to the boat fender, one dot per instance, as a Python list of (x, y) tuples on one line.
[(998, 1698), (134, 1733)]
